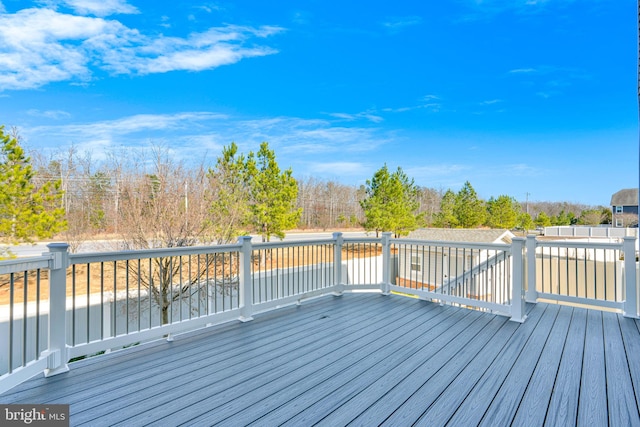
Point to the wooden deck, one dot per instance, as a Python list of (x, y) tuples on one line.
[(366, 359)]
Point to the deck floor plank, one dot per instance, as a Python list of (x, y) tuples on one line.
[(532, 409), (563, 404), (365, 359), (256, 365), (521, 375), (450, 399), (406, 402), (623, 409), (478, 401), (136, 382), (336, 376), (408, 374), (111, 363), (629, 329), (319, 408), (592, 406), (310, 364), (336, 380)]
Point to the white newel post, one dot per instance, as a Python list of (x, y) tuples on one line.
[(630, 279), (337, 262), (386, 263), (57, 356), (517, 293), (245, 286), (532, 292)]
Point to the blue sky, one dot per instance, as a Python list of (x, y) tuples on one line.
[(514, 96)]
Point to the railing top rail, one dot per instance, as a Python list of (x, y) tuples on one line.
[(151, 253), (25, 264), (451, 244), (581, 245), (297, 243), (362, 240)]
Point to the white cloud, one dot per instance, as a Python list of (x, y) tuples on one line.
[(491, 102), (400, 23), (100, 7), (492, 7), (546, 95), (291, 136), (547, 81), (427, 102), (366, 115), (208, 8), (40, 46), (199, 51), (523, 71), (297, 136), (49, 114), (148, 123)]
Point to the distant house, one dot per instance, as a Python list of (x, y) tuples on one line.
[(443, 264), (624, 208)]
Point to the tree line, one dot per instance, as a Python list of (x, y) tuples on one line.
[(147, 198), (394, 203)]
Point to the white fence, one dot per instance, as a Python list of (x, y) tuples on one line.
[(584, 231)]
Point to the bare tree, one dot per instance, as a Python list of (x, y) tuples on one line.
[(165, 207)]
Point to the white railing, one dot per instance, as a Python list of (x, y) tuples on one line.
[(467, 274), (590, 273), (62, 306)]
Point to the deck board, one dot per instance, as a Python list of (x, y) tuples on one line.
[(410, 398), (230, 373), (321, 359), (592, 406), (629, 329), (365, 359), (336, 379), (623, 410), (404, 376), (506, 401), (439, 412), (479, 399), (532, 408), (563, 405)]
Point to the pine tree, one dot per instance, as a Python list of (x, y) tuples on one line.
[(405, 215), (391, 203), (230, 212), (469, 209), (525, 222), (273, 194), (375, 203), (503, 212), (543, 220), (26, 210), (446, 218)]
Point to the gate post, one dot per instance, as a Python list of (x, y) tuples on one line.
[(245, 287), (517, 294), (385, 285), (337, 263), (630, 278), (57, 355)]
